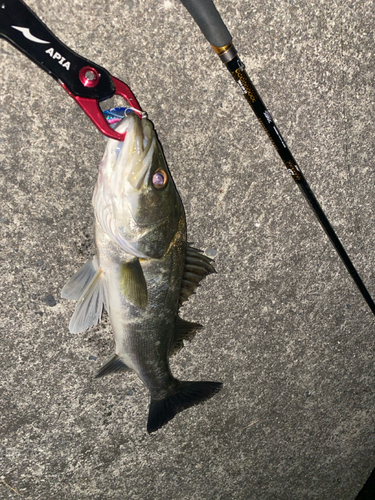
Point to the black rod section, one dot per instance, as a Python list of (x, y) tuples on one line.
[(205, 14)]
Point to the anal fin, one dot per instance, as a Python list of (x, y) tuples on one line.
[(112, 365)]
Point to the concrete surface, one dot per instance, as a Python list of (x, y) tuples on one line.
[(286, 330)]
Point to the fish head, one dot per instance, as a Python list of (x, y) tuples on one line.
[(136, 200)]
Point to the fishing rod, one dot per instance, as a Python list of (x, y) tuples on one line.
[(210, 22)]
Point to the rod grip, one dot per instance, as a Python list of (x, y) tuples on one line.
[(208, 19)]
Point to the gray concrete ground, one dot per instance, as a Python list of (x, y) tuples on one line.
[(286, 330)]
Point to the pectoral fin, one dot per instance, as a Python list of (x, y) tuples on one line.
[(133, 284)]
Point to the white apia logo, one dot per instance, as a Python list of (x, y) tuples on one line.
[(56, 55), (26, 33), (52, 53)]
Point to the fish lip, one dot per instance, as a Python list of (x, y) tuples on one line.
[(143, 145), (144, 139), (136, 157)]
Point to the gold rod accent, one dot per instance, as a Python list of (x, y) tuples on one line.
[(221, 50)]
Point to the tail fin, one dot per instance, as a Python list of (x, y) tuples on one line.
[(188, 394)]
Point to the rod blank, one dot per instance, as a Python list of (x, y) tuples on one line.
[(208, 19)]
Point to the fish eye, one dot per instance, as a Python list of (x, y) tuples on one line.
[(160, 179)]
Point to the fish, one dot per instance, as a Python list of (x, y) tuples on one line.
[(143, 271)]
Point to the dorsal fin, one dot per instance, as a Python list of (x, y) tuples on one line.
[(197, 266), (184, 330)]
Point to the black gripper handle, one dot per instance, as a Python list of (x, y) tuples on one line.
[(23, 29)]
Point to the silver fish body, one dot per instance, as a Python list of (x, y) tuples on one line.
[(143, 271), (144, 337)]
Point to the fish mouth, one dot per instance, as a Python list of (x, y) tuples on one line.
[(132, 170), (137, 150)]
